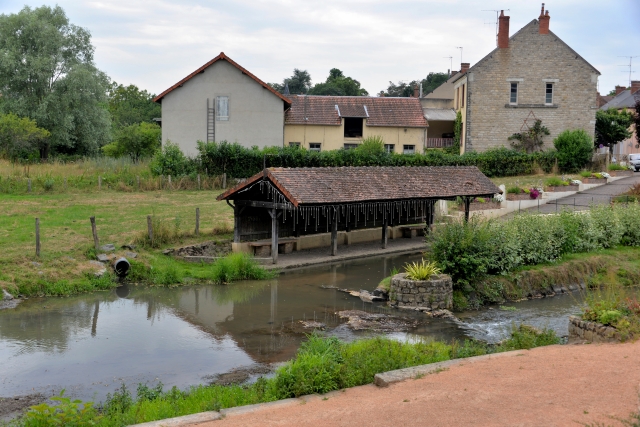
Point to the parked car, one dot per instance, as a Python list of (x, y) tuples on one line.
[(634, 162)]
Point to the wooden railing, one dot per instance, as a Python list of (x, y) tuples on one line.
[(439, 142)]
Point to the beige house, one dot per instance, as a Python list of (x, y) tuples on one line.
[(625, 99), (530, 75), (341, 122), (222, 101)]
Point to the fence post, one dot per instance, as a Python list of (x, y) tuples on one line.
[(198, 181), (197, 221), (138, 181), (38, 237), (224, 181), (169, 182), (150, 229), (99, 182), (29, 185), (94, 231)]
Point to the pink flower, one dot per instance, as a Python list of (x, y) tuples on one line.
[(534, 193)]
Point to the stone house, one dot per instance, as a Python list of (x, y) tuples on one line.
[(531, 75), (341, 122), (625, 98), (222, 101)]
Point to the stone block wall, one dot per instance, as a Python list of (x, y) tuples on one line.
[(591, 331), (531, 60), (433, 294)]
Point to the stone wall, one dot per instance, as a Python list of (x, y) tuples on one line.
[(591, 331), (531, 60), (433, 294)]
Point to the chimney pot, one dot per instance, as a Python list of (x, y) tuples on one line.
[(503, 31), (544, 21), (464, 67), (416, 91), (635, 86), (620, 89)]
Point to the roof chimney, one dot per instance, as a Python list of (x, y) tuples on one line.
[(464, 67), (635, 86), (620, 89), (503, 31), (416, 91), (544, 20)]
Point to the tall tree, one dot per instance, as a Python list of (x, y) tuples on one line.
[(21, 138), (339, 85), (47, 74), (429, 84), (129, 105), (612, 126), (299, 83)]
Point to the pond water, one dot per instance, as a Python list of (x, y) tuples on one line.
[(91, 344)]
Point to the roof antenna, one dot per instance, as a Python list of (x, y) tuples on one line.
[(496, 23), (451, 65)]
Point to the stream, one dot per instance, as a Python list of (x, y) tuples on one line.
[(91, 344)]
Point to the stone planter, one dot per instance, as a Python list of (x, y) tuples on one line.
[(621, 173), (591, 331), (477, 206), (594, 180), (522, 196), (561, 188), (433, 294)]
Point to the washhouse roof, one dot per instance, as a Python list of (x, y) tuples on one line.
[(341, 185)]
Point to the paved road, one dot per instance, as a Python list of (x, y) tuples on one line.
[(587, 198)]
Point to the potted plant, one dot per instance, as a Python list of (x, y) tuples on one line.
[(594, 178), (421, 286)]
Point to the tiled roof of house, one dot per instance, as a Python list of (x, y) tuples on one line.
[(624, 99), (379, 111), (445, 90), (366, 184), (224, 57)]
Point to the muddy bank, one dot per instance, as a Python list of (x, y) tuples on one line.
[(12, 407), (239, 375), (8, 301)]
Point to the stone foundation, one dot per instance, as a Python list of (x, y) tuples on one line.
[(433, 294), (591, 331)]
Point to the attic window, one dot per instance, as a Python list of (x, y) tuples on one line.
[(222, 108), (353, 127)]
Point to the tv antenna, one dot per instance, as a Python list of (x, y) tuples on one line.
[(497, 20), (460, 47), (450, 64), (625, 65)]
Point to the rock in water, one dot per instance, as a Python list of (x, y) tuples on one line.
[(378, 322)]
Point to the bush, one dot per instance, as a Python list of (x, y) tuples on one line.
[(554, 181), (421, 271), (575, 149), (171, 161)]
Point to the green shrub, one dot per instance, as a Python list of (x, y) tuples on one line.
[(629, 218), (421, 271), (575, 149), (586, 174), (515, 190), (554, 181), (371, 146), (617, 167), (525, 337), (68, 413), (170, 160)]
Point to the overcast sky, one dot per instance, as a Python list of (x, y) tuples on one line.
[(154, 44)]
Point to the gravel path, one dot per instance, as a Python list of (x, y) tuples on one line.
[(568, 385)]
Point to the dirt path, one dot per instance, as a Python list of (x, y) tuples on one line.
[(550, 386)]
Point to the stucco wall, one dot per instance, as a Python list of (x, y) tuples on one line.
[(332, 137), (530, 57), (256, 116)]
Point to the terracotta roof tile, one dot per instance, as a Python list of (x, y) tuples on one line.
[(224, 57), (303, 186), (379, 111)]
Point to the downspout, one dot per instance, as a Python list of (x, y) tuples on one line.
[(284, 119)]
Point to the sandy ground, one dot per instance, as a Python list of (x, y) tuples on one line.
[(567, 385)]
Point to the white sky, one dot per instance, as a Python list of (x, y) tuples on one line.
[(154, 44)]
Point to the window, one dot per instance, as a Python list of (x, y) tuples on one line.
[(548, 98), (408, 149), (389, 148), (513, 99), (222, 108), (314, 146), (352, 127), (350, 146), (294, 144)]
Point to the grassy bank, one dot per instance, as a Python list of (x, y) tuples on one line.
[(321, 365), (67, 242)]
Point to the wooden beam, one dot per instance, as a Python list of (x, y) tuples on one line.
[(274, 235), (268, 205), (385, 233), (467, 202), (236, 224), (334, 234)]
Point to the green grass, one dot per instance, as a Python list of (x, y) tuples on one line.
[(322, 364)]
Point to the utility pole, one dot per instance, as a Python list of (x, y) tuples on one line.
[(625, 65), (496, 23)]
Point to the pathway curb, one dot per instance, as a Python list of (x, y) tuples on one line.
[(201, 417)]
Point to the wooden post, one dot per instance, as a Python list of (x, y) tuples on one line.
[(334, 234), (96, 242), (198, 181), (236, 224), (138, 182), (224, 181), (38, 237), (467, 202), (99, 182), (29, 185), (274, 235), (385, 232), (169, 183), (197, 221), (150, 229)]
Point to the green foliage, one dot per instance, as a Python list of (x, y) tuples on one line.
[(429, 84), (585, 174), (530, 140), (238, 266), (338, 85), (137, 141), (457, 131), (575, 149), (525, 337), (299, 83), (128, 105), (67, 413), (554, 181), (612, 126), (616, 306), (371, 146), (21, 138), (617, 167), (170, 160), (422, 270), (47, 74), (636, 121)]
